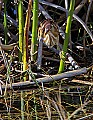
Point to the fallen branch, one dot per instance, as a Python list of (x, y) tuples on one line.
[(69, 74)]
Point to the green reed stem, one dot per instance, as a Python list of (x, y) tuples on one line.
[(21, 27), (21, 33), (67, 34), (34, 29), (5, 22)]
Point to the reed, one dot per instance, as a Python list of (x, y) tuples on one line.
[(21, 27), (21, 32), (34, 30), (5, 22), (67, 34), (25, 41)]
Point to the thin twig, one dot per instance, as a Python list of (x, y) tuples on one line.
[(82, 82), (87, 16), (85, 117), (79, 7), (79, 109)]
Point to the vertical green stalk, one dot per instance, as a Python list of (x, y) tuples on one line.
[(21, 27), (34, 30), (67, 34), (5, 22)]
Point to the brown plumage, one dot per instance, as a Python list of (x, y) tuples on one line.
[(48, 30)]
